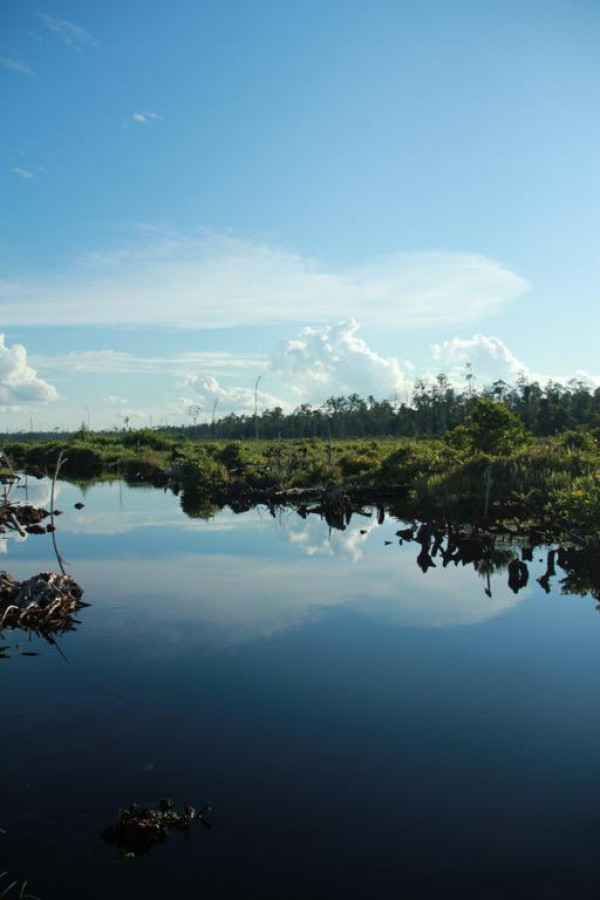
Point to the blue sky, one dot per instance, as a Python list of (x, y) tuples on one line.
[(337, 195)]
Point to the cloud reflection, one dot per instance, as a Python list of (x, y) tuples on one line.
[(250, 576), (219, 600), (315, 539)]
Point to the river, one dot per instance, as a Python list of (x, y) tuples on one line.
[(361, 728)]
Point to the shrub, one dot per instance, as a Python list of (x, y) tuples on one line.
[(579, 503), (203, 473), (358, 464), (493, 428)]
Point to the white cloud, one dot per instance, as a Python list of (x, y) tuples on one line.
[(333, 360), (18, 380), (491, 360), (22, 172), (143, 118), (317, 363), (234, 399), (579, 375), (220, 282), (74, 36), (115, 361), (16, 66)]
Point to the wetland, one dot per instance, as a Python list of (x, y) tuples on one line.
[(375, 706)]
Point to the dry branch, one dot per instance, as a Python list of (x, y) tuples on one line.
[(44, 603)]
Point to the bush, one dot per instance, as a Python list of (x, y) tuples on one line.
[(579, 503), (579, 440), (493, 428), (358, 464), (203, 473), (231, 456)]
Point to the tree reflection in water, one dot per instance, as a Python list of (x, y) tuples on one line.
[(489, 550)]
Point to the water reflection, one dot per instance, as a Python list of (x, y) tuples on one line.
[(294, 673), (224, 598), (315, 538), (488, 553), (239, 577)]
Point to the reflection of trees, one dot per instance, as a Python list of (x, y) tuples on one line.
[(582, 567), (441, 542), (497, 561), (450, 544), (198, 506), (518, 575), (578, 584), (544, 580)]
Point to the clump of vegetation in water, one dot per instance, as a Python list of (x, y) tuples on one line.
[(137, 829)]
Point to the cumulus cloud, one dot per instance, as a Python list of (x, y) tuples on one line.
[(489, 357), (219, 282), (317, 363), (16, 66), (492, 360), (209, 392), (18, 380), (74, 36), (333, 360)]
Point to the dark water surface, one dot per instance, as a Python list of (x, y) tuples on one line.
[(362, 729)]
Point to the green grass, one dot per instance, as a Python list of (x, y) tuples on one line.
[(552, 478)]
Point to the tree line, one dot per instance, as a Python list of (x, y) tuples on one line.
[(435, 407)]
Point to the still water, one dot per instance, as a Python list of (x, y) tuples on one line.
[(360, 727)]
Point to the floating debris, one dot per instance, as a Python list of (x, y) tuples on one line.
[(44, 603), (21, 517), (138, 828)]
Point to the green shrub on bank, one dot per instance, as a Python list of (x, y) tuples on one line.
[(493, 428), (203, 473), (579, 503), (549, 477), (78, 457), (415, 459), (232, 456)]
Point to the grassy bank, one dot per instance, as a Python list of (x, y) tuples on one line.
[(486, 467)]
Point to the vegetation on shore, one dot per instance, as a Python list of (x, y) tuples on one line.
[(490, 464)]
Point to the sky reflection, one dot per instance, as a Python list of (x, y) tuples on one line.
[(239, 578)]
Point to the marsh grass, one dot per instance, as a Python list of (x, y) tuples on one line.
[(544, 477)]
